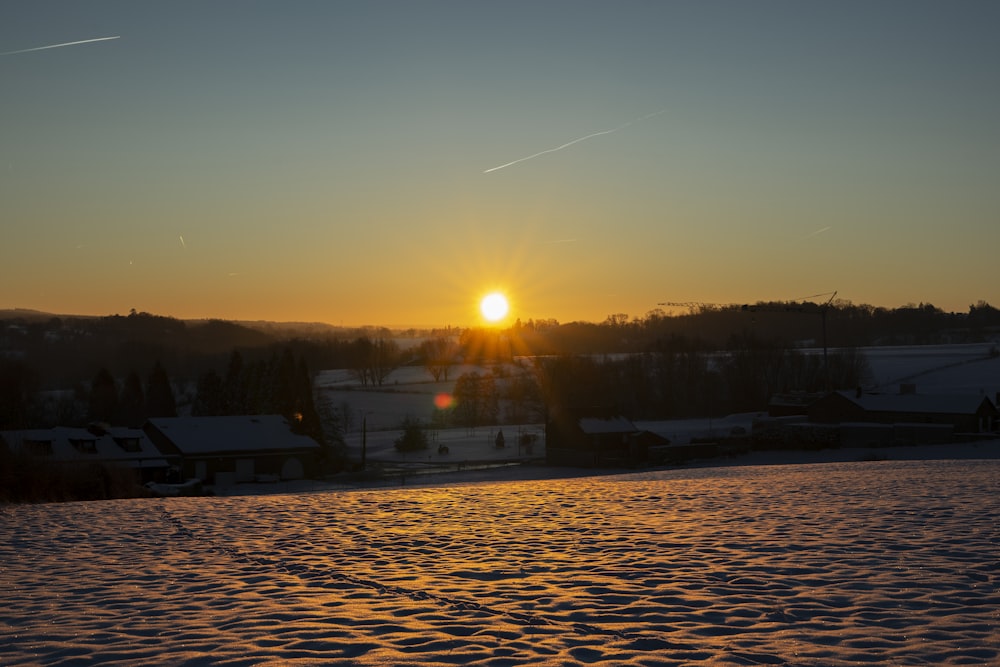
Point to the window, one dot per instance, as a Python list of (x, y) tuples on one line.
[(129, 444), (84, 446), (38, 447)]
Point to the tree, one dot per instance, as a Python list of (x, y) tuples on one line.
[(17, 391), (310, 422), (359, 355), (438, 354), (476, 400), (160, 400), (385, 359), (208, 396), (414, 438), (103, 397), (524, 400), (131, 409), (372, 360), (234, 389)]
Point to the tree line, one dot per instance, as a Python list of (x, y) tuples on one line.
[(679, 364), (677, 378), (129, 402)]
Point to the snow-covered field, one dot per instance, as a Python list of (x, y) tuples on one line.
[(835, 564)]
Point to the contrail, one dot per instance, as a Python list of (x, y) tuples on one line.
[(816, 233), (576, 141), (183, 245), (56, 46)]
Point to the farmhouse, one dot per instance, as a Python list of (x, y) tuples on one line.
[(121, 447), (963, 413), (592, 441), (226, 450)]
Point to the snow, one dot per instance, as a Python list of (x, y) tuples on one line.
[(877, 562)]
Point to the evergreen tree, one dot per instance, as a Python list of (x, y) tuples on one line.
[(208, 399), (286, 395), (235, 388), (160, 400), (131, 409), (414, 438), (305, 404), (17, 390), (103, 397)]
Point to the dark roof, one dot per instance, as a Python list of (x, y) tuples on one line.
[(593, 426)]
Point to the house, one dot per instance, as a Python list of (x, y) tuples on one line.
[(592, 441), (231, 449), (792, 404), (121, 447), (963, 413)]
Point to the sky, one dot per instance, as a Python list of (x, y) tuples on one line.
[(388, 163)]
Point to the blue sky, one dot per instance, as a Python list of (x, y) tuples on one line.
[(325, 160)]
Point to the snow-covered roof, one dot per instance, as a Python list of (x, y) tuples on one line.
[(951, 404), (129, 447), (203, 435), (593, 426)]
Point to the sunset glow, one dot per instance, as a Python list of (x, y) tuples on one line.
[(364, 163)]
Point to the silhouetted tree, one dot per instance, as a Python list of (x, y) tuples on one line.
[(359, 356), (18, 384), (373, 359), (309, 421), (438, 355), (160, 400), (103, 397), (414, 438), (131, 410), (257, 383), (235, 389), (476, 400), (287, 395), (524, 399), (208, 398), (385, 359)]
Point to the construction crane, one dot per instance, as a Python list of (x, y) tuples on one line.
[(749, 307), (791, 306)]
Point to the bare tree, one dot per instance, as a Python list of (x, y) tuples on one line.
[(438, 354), (374, 359)]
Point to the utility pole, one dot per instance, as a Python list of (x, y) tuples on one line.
[(826, 362), (364, 440)]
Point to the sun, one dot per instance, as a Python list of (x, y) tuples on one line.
[(494, 307)]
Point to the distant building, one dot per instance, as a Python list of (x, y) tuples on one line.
[(963, 413), (227, 450), (595, 442), (792, 404)]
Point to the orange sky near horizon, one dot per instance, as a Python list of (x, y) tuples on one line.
[(388, 163)]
